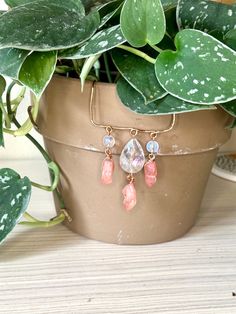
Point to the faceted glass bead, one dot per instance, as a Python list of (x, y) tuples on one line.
[(109, 141), (132, 158), (152, 147)]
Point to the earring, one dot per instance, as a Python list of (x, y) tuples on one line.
[(132, 160), (108, 163), (150, 167)]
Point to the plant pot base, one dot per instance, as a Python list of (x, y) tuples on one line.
[(163, 213)]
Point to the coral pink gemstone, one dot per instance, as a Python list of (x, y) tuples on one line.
[(107, 171), (130, 198), (150, 172)]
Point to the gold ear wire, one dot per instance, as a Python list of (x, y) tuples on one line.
[(121, 128)]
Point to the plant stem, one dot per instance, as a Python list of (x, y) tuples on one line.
[(5, 115), (53, 168), (156, 48), (33, 222), (107, 67), (138, 53)]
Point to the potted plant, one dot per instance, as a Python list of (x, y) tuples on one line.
[(157, 81)]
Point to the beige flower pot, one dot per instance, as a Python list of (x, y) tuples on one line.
[(163, 213)]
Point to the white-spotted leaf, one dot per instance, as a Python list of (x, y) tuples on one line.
[(139, 73), (134, 101), (206, 16), (102, 41), (2, 89), (201, 71), (15, 196), (11, 60), (143, 22), (47, 25)]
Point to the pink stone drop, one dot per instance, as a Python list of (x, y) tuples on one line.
[(129, 194), (150, 172), (107, 171)]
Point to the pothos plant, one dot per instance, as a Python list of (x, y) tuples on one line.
[(164, 56)]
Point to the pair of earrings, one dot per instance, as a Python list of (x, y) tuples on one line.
[(132, 161)]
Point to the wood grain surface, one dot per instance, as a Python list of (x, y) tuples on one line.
[(56, 271)]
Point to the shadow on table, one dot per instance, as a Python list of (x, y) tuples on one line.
[(24, 243)]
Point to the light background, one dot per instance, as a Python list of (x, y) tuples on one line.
[(21, 148)]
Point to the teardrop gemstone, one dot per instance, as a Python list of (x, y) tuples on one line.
[(132, 158)]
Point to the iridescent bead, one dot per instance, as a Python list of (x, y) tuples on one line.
[(132, 158), (109, 141), (152, 147)]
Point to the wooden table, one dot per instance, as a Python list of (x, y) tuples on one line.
[(56, 271)]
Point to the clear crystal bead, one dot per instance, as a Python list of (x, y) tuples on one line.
[(132, 158), (109, 141), (152, 147)]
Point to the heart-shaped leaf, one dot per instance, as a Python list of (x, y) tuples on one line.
[(202, 70), (46, 25), (37, 71), (15, 195), (11, 60), (2, 89), (143, 22), (140, 74), (206, 16), (230, 39), (167, 105), (102, 41), (230, 107)]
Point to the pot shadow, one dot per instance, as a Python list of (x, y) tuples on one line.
[(34, 242)]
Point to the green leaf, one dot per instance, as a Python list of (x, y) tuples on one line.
[(2, 85), (206, 16), (92, 4), (139, 73), (15, 3), (46, 25), (167, 4), (230, 39), (230, 107), (15, 195), (143, 22), (167, 105), (71, 4), (202, 70), (37, 71), (2, 89), (1, 128), (171, 24), (109, 10), (102, 41), (11, 60)]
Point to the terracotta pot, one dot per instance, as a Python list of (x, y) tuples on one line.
[(163, 213)]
